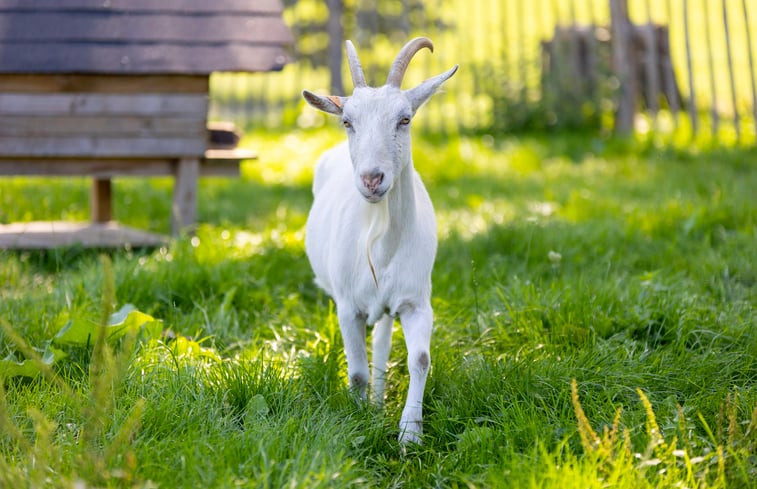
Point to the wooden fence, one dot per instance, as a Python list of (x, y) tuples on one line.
[(668, 67)]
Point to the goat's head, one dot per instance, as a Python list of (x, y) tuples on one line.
[(377, 120)]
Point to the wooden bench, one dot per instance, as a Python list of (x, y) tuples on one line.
[(121, 88), (108, 127)]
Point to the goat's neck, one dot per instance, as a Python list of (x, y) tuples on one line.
[(401, 201), (387, 221)]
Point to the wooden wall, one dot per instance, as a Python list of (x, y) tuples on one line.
[(103, 116)]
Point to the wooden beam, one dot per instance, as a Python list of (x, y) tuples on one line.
[(86, 146), (101, 200), (57, 234), (221, 163), (184, 206), (65, 83), (135, 6), (104, 104), (175, 27), (131, 59), (101, 125)]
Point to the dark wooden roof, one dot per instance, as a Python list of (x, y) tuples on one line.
[(142, 36)]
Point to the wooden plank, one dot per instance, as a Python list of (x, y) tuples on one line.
[(125, 28), (621, 62), (184, 205), (136, 6), (57, 83), (101, 200), (237, 154), (103, 104), (154, 58), (734, 102), (107, 168), (93, 146), (689, 68), (58, 234), (711, 70), (103, 168), (751, 60), (124, 126)]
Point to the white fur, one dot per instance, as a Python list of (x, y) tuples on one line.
[(372, 248)]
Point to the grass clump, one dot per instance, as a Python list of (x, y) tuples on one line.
[(594, 326)]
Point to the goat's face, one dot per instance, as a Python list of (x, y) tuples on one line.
[(377, 120)]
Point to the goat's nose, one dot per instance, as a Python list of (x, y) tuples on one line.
[(373, 179)]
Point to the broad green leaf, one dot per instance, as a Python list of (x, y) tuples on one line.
[(184, 349), (81, 331), (257, 408), (11, 366)]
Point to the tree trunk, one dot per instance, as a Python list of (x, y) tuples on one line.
[(336, 34)]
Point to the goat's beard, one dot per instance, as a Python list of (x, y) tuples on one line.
[(376, 223)]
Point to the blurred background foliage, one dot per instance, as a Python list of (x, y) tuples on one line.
[(509, 80)]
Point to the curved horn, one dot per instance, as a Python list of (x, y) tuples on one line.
[(397, 72), (358, 79)]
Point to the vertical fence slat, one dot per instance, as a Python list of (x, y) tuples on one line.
[(689, 68), (668, 73), (711, 66), (736, 121), (504, 74), (751, 62), (621, 35)]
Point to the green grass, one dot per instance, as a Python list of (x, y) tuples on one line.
[(627, 267)]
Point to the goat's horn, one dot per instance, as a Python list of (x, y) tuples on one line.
[(358, 79), (397, 72)]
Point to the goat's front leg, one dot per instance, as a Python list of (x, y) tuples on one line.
[(352, 325), (382, 344), (416, 324)]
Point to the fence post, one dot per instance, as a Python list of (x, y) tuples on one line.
[(336, 34), (620, 26)]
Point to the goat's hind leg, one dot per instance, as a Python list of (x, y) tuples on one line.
[(381, 338)]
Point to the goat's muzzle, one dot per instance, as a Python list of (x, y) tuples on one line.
[(372, 189)]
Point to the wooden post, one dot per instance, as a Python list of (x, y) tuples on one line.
[(736, 122), (653, 82), (692, 93), (621, 64), (184, 206), (751, 61), (100, 201), (668, 74), (713, 87)]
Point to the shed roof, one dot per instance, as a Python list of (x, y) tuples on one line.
[(142, 36)]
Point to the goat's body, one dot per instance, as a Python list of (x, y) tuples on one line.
[(402, 254), (371, 232), (392, 279)]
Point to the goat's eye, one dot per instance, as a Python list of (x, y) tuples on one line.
[(405, 121), (347, 123)]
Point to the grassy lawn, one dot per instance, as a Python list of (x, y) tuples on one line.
[(629, 268)]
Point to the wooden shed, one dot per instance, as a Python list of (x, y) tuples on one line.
[(120, 87)]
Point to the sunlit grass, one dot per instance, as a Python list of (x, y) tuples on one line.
[(625, 265)]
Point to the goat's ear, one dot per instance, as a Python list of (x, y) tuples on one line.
[(331, 104), (425, 90)]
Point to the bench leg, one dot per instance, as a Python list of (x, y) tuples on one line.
[(101, 209), (184, 206)]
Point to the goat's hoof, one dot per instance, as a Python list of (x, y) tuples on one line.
[(410, 433)]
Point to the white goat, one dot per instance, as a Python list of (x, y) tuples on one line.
[(371, 233)]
